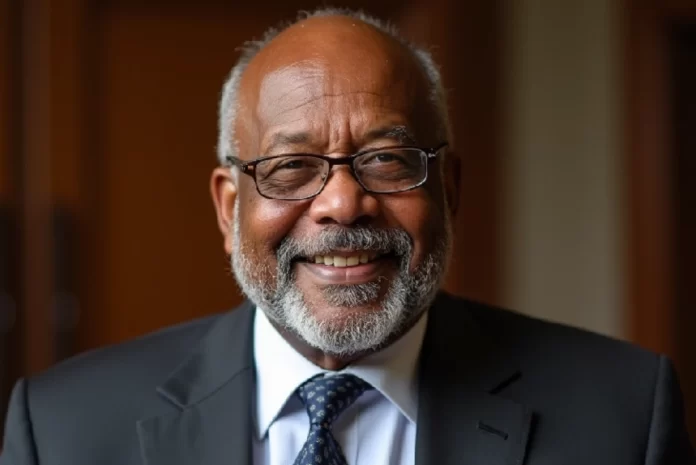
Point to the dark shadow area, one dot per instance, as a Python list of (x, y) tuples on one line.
[(684, 164)]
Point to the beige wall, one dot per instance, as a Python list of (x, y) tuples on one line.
[(562, 206)]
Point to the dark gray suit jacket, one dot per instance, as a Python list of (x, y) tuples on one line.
[(495, 388)]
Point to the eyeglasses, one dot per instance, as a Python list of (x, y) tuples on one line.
[(386, 170)]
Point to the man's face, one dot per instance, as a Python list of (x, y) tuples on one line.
[(353, 90)]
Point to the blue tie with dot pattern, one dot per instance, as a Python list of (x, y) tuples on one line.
[(325, 399)]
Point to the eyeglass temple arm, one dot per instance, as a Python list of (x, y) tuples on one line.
[(243, 167), (434, 152), (233, 161)]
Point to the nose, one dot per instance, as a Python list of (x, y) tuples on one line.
[(343, 201)]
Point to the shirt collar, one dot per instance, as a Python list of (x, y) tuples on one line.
[(280, 370)]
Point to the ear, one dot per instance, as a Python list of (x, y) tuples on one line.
[(223, 189), (453, 181)]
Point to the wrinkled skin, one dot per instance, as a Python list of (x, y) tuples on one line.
[(330, 86)]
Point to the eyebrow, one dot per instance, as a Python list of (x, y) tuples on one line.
[(282, 138), (399, 132)]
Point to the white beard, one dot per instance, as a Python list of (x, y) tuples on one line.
[(408, 295)]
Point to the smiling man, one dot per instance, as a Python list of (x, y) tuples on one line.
[(339, 231), (334, 195)]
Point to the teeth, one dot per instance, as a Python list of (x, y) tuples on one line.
[(341, 261)]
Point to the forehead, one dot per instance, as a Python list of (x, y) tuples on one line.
[(319, 94), (344, 77)]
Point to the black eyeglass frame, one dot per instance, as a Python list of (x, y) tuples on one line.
[(248, 167)]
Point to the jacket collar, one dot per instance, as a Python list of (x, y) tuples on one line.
[(463, 416), (212, 390)]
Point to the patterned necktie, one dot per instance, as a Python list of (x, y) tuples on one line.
[(325, 399)]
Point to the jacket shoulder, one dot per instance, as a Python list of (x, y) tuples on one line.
[(120, 378), (526, 333), (547, 350), (147, 354)]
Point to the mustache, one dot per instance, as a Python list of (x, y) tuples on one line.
[(364, 238)]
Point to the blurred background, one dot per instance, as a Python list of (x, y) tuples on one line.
[(575, 121)]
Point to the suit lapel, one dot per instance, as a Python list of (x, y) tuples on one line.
[(213, 392), (462, 418)]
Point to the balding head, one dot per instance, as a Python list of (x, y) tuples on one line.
[(329, 74), (324, 38)]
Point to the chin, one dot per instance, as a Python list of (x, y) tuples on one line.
[(341, 316), (346, 336), (345, 319), (368, 296), (348, 329)]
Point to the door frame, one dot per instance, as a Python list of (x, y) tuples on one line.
[(650, 225), (649, 261)]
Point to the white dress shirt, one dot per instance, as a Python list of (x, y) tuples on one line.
[(378, 429)]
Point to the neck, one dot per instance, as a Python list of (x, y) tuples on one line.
[(333, 362)]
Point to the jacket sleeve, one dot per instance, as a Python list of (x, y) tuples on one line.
[(668, 439), (18, 447)]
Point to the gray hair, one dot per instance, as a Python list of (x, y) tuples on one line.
[(227, 112)]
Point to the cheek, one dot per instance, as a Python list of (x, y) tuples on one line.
[(264, 224), (420, 214)]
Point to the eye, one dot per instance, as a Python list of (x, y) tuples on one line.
[(398, 163), (386, 157), (381, 158), (291, 164)]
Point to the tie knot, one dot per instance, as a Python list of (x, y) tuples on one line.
[(327, 397)]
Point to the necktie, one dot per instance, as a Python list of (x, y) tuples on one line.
[(325, 398)]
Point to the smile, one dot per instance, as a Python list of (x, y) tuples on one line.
[(347, 267), (343, 260)]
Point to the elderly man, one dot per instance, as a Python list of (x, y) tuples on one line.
[(334, 200)]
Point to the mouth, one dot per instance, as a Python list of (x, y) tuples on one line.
[(353, 267), (344, 260)]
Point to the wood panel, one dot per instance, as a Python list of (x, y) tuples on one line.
[(159, 256), (35, 182), (8, 235), (649, 264), (70, 194), (474, 45), (679, 9), (6, 67)]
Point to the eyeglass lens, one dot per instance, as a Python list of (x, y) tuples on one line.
[(302, 176)]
